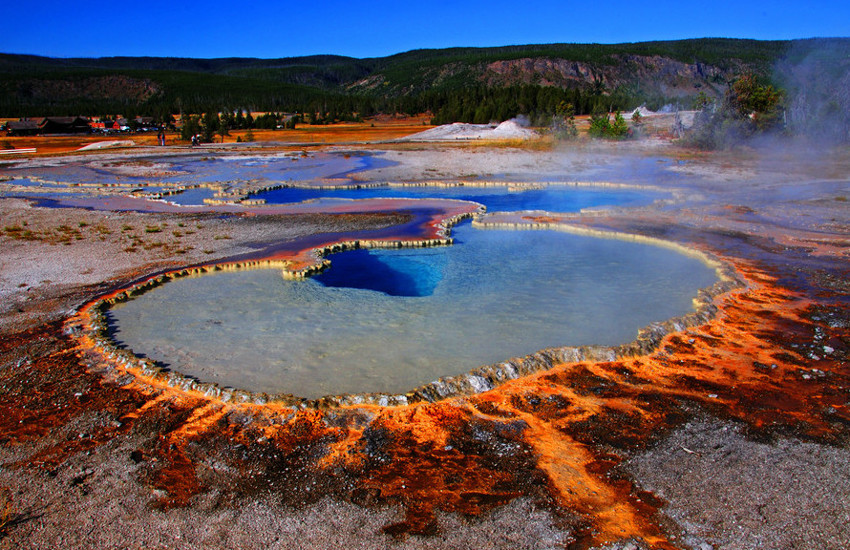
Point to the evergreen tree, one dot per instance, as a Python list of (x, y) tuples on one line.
[(759, 103), (618, 129), (191, 127), (748, 108), (637, 118), (599, 124), (224, 126), (209, 126)]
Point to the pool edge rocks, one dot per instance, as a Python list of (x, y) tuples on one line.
[(90, 328)]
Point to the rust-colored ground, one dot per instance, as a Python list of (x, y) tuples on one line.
[(774, 359), (372, 130)]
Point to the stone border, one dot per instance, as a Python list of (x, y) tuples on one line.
[(225, 196), (90, 323)]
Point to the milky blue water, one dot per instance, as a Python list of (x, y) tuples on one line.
[(391, 320)]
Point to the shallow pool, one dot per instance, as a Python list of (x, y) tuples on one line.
[(391, 320), (156, 173)]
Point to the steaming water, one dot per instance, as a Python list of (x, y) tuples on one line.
[(391, 320)]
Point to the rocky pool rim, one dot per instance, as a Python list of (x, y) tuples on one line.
[(90, 323)]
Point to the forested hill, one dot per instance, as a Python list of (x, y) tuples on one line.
[(470, 84)]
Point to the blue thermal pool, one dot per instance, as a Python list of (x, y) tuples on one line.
[(305, 178), (392, 320), (551, 198)]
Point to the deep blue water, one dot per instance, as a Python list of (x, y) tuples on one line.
[(412, 272), (553, 198)]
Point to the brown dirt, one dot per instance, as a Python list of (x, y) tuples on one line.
[(372, 130)]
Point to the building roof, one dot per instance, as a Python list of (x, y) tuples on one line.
[(65, 120), (22, 125)]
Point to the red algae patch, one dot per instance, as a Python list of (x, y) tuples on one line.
[(557, 436), (544, 434), (537, 436)]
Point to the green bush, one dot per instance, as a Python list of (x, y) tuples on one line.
[(601, 126)]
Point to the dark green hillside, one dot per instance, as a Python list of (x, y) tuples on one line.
[(470, 84), (132, 92), (224, 65), (720, 52)]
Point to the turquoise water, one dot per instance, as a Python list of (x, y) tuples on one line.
[(391, 320)]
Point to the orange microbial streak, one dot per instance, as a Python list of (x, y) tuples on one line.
[(556, 437)]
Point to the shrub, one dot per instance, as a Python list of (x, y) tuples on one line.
[(747, 109), (602, 127), (564, 121)]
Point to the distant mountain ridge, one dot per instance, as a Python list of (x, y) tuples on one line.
[(504, 80)]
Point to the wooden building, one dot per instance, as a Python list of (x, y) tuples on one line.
[(22, 128), (65, 125)]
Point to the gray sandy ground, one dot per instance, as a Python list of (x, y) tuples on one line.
[(726, 491)]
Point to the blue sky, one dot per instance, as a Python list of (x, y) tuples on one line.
[(269, 29)]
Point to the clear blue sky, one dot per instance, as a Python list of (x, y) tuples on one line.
[(268, 29)]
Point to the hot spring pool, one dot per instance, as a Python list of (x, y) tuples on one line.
[(496, 198), (392, 320)]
